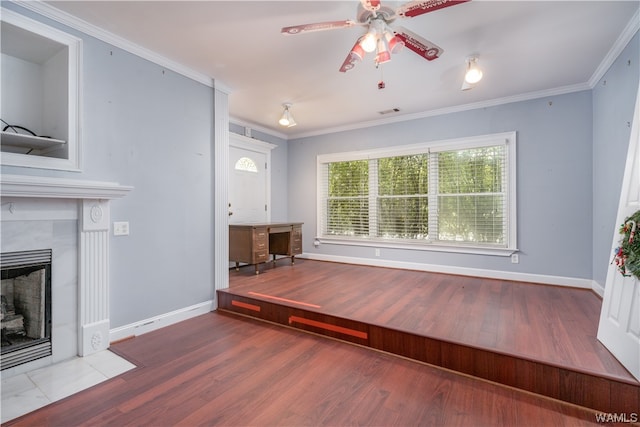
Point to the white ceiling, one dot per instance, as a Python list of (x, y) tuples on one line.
[(527, 49)]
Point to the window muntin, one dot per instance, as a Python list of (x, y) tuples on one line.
[(454, 193)]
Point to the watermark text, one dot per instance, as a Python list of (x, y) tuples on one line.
[(620, 417)]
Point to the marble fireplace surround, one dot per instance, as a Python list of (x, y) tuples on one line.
[(73, 216)]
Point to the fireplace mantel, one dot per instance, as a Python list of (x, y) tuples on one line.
[(59, 188), (43, 197)]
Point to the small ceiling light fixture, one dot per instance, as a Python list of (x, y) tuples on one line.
[(473, 74), (287, 118)]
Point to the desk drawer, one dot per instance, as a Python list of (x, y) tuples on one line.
[(296, 241), (260, 256), (280, 229), (260, 236)]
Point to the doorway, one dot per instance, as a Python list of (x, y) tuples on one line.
[(249, 180)]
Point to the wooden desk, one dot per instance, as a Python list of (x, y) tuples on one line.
[(252, 243)]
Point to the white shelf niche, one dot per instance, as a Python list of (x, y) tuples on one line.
[(40, 91)]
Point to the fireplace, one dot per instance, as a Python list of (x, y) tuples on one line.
[(25, 306), (67, 220)]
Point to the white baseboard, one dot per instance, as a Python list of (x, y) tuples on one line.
[(597, 288), (157, 322), (572, 282)]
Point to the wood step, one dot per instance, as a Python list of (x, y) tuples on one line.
[(602, 391)]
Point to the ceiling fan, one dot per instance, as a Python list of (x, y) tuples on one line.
[(380, 37)]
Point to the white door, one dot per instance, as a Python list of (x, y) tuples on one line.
[(247, 186), (249, 179), (619, 328)]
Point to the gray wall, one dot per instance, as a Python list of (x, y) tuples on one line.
[(554, 168), (150, 128), (613, 102), (570, 160)]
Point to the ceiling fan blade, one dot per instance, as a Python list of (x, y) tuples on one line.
[(423, 47), (419, 7), (318, 26), (355, 55)]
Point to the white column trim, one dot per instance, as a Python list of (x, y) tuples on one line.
[(221, 190), (93, 283)]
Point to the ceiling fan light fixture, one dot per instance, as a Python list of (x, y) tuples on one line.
[(473, 74), (287, 119), (368, 41), (394, 42), (375, 17), (358, 51), (466, 86)]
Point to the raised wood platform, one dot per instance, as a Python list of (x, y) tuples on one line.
[(532, 337)]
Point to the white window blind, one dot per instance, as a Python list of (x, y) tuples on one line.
[(346, 198), (472, 195), (460, 192), (402, 198)]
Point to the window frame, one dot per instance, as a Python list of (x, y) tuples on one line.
[(508, 139)]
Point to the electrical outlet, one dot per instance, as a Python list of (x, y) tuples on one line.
[(121, 228), (377, 252), (515, 259)]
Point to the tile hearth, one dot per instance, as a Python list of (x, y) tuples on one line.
[(27, 392)]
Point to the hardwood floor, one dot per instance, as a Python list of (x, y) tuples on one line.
[(221, 369), (535, 337)]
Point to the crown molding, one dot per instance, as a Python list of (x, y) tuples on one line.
[(625, 37), (449, 110), (76, 23), (218, 85)]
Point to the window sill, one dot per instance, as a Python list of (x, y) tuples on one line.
[(434, 247)]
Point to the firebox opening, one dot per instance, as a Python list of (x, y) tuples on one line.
[(25, 307)]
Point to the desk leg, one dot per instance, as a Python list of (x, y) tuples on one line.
[(237, 266), (257, 268), (293, 259)]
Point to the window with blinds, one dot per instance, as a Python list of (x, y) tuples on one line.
[(347, 201), (459, 192)]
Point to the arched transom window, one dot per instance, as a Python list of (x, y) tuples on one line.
[(246, 164)]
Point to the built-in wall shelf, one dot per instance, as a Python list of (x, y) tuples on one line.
[(40, 86), (29, 141)]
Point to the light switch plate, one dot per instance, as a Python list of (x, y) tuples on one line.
[(121, 228)]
